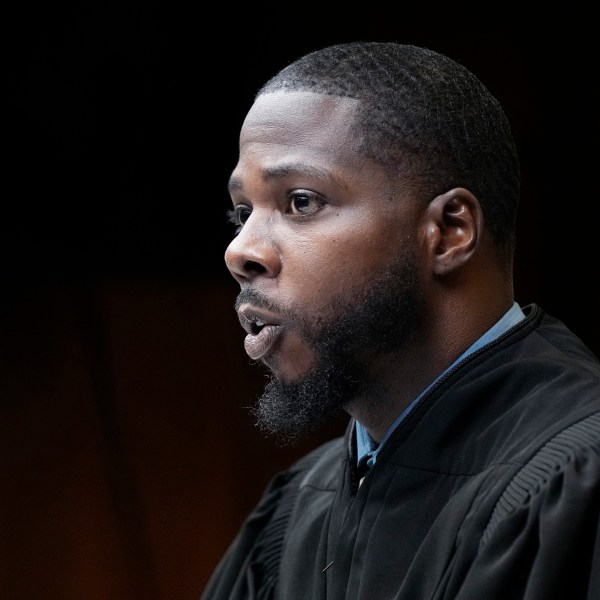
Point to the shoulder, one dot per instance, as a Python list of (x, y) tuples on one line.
[(315, 469), (541, 539), (565, 471), (312, 469)]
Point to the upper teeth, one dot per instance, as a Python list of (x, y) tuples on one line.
[(259, 323)]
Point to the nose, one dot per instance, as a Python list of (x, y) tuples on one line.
[(252, 253)]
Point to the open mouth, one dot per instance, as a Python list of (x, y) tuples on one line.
[(261, 340), (256, 326), (262, 329)]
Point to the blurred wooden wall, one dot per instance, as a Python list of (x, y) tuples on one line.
[(127, 456)]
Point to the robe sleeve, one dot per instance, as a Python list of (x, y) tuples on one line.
[(543, 539), (236, 574), (249, 570)]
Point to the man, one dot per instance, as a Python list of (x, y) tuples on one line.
[(374, 201)]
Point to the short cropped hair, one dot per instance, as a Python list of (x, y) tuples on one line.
[(426, 118)]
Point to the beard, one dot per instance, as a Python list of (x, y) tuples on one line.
[(346, 337)]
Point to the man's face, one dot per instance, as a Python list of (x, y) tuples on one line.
[(324, 257)]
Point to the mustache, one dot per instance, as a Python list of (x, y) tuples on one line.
[(250, 296)]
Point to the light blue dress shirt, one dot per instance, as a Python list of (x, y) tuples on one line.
[(367, 448)]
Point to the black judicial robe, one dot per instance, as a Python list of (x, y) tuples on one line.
[(489, 490)]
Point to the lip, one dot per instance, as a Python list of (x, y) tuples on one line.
[(263, 330)]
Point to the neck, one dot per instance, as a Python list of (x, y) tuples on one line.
[(397, 379)]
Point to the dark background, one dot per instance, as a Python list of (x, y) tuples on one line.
[(127, 456)]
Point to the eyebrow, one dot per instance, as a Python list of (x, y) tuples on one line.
[(282, 171)]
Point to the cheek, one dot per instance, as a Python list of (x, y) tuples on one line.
[(336, 264)]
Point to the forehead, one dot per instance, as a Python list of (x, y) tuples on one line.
[(302, 137), (313, 123)]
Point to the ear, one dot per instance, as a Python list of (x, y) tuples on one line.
[(454, 227)]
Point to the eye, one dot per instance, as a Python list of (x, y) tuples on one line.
[(305, 203), (239, 215)]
